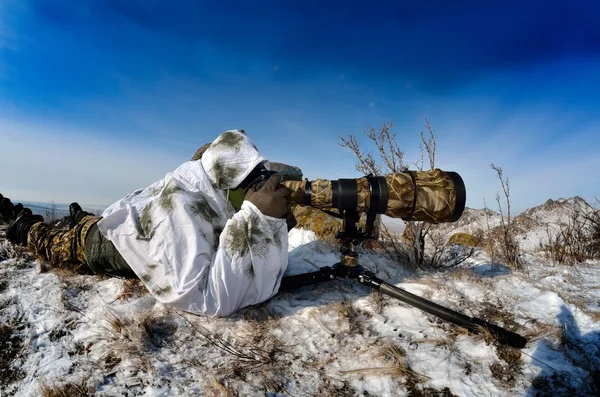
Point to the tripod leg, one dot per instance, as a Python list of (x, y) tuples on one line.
[(325, 274), (473, 324)]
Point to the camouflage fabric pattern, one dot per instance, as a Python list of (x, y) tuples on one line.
[(363, 189), (436, 196), (435, 201), (61, 248)]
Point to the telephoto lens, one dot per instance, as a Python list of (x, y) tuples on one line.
[(434, 196)]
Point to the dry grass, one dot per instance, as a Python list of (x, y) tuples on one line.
[(11, 346), (132, 288), (557, 384), (353, 315), (214, 388), (133, 338), (257, 356), (67, 390), (264, 352), (378, 300), (335, 388), (575, 241), (148, 329), (8, 250), (508, 371), (397, 367), (495, 314)]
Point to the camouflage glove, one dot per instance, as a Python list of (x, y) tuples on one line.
[(271, 198)]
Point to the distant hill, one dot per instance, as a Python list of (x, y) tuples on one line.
[(535, 224)]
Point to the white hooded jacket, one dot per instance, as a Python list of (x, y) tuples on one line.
[(187, 244)]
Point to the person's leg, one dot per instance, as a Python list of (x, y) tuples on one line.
[(103, 258), (81, 248), (58, 247)]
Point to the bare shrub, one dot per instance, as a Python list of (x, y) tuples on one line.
[(593, 219), (576, 240), (52, 214), (505, 245), (444, 253)]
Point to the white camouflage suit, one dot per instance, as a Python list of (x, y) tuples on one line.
[(187, 244)]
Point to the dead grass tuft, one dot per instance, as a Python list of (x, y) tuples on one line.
[(245, 352), (132, 288), (214, 388), (110, 361), (378, 300), (353, 315), (394, 354), (67, 390), (134, 337), (157, 328), (512, 367), (495, 314)]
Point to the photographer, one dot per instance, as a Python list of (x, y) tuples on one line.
[(202, 239)]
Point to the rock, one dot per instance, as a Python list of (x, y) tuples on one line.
[(464, 239)]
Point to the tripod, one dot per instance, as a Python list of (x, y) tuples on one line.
[(349, 268)]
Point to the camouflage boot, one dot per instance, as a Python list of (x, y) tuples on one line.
[(76, 213)]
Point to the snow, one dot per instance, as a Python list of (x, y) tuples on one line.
[(304, 342)]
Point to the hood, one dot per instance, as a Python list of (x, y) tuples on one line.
[(230, 158)]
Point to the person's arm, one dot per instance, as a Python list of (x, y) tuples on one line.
[(252, 254)]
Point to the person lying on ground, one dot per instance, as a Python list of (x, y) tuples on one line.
[(8, 210), (199, 239)]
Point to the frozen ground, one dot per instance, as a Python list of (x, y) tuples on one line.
[(103, 335)]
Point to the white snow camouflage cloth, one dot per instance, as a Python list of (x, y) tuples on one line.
[(178, 238)]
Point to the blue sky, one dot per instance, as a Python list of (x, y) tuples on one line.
[(98, 98)]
